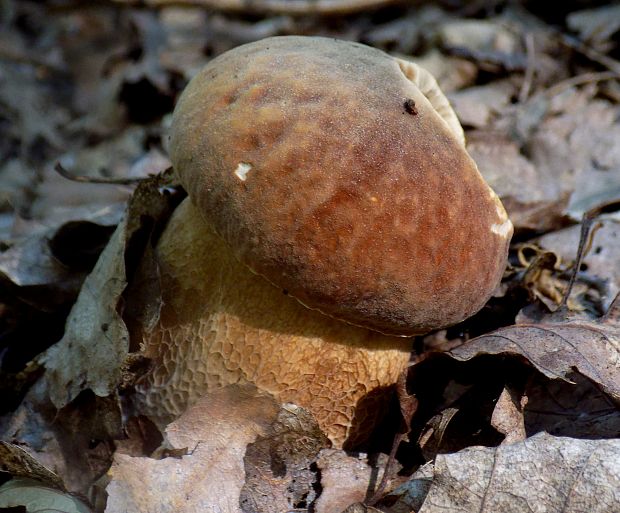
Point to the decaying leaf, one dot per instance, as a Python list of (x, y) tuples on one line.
[(345, 480), (73, 443), (476, 106), (560, 346), (94, 332), (580, 409), (209, 477), (540, 474), (278, 466), (596, 26), (17, 462), (96, 340), (508, 416)]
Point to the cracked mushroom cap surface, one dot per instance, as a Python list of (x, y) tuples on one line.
[(340, 174)]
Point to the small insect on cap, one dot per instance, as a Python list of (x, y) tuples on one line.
[(340, 174)]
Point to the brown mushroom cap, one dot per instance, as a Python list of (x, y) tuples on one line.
[(339, 174), (222, 324)]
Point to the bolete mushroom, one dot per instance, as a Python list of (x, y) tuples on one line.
[(328, 182)]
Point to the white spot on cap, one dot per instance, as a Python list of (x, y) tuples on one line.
[(503, 227), (242, 170)]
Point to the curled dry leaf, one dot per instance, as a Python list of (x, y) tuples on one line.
[(96, 340), (559, 346), (596, 26), (579, 410), (476, 106), (17, 462), (540, 474)]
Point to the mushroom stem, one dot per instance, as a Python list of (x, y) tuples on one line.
[(221, 324)]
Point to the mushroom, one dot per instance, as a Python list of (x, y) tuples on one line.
[(327, 182)]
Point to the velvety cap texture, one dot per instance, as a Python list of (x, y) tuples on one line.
[(340, 174)]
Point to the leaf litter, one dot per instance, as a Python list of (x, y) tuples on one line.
[(540, 108)]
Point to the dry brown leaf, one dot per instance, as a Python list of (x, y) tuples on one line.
[(574, 141), (559, 346), (452, 73), (215, 432), (73, 443), (477, 106), (596, 26), (17, 462), (361, 508), (29, 262), (345, 480), (578, 410), (96, 340), (507, 416), (540, 474)]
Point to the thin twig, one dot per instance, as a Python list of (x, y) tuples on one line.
[(378, 493), (585, 242), (408, 406), (300, 7), (92, 179), (584, 78), (589, 52), (528, 78)]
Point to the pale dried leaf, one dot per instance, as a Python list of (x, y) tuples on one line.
[(596, 26), (484, 35), (29, 262), (345, 480), (576, 145), (37, 498), (209, 478), (476, 106), (534, 197), (96, 340), (452, 73), (507, 416), (541, 474)]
